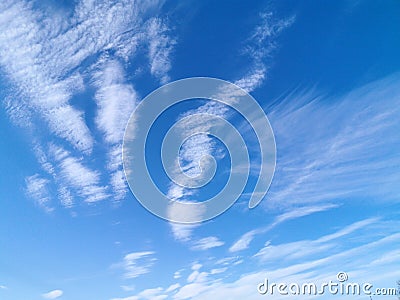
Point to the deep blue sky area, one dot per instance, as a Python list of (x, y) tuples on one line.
[(72, 73)]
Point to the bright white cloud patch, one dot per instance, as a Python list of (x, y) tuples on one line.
[(115, 101), (53, 294)]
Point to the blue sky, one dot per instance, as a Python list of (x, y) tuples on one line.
[(72, 72)]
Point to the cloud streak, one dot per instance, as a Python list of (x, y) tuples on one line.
[(261, 44), (37, 189), (207, 243), (313, 260), (50, 56), (350, 154), (136, 264)]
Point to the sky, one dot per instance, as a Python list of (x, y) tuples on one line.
[(326, 74)]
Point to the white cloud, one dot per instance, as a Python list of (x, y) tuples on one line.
[(37, 189), (172, 287), (178, 274), (348, 155), (218, 271), (119, 185), (305, 248), (260, 46), (128, 288), (207, 243), (160, 48), (48, 56), (34, 71), (301, 212), (137, 263), (228, 261), (191, 152), (53, 294), (115, 101), (65, 197), (196, 266), (243, 242), (153, 294), (310, 260), (253, 79), (182, 232), (190, 291), (74, 174), (197, 276)]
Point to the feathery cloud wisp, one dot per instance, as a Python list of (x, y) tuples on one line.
[(53, 294), (137, 263)]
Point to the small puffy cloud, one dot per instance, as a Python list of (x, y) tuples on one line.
[(53, 294)]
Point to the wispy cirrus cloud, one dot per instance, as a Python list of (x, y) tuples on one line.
[(350, 153), (37, 189), (309, 260), (36, 73), (50, 56), (304, 249), (260, 46), (159, 49), (115, 101), (75, 174), (207, 243), (137, 263), (244, 241)]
